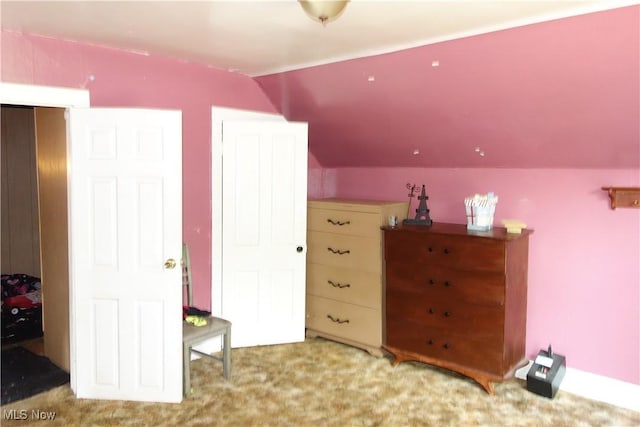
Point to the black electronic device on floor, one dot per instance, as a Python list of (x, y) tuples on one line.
[(546, 373)]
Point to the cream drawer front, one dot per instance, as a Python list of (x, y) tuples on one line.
[(361, 324), (344, 251), (344, 222), (344, 284)]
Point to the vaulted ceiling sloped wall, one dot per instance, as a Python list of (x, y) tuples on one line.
[(559, 94)]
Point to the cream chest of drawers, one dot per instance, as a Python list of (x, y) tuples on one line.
[(344, 269)]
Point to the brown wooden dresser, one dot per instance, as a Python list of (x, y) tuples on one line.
[(344, 269), (457, 299)]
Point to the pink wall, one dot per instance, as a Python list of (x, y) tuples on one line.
[(561, 87), (584, 268), (584, 273), (131, 80)]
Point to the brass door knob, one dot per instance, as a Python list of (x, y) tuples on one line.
[(170, 263)]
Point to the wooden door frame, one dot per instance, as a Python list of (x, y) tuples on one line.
[(60, 97)]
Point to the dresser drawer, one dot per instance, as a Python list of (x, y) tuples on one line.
[(481, 353), (344, 222), (344, 251), (440, 311), (344, 284), (478, 287), (353, 322), (457, 252)]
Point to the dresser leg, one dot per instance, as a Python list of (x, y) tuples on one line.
[(311, 334), (396, 359), (486, 384)]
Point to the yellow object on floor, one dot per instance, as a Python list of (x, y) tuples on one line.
[(196, 320)]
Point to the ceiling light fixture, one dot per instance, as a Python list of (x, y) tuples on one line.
[(323, 11)]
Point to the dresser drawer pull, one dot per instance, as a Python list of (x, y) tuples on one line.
[(337, 319), (432, 281), (446, 346), (445, 250), (447, 314), (430, 342), (338, 285), (338, 251), (431, 310), (447, 283), (340, 223)]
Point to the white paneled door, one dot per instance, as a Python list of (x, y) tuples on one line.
[(125, 188), (264, 186)]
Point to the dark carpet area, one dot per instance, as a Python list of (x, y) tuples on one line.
[(25, 374)]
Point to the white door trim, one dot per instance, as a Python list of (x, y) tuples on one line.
[(48, 96), (42, 96)]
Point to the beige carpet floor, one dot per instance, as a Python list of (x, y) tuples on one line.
[(322, 383)]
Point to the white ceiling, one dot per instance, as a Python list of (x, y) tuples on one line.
[(265, 37)]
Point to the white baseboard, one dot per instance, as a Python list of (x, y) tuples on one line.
[(596, 387)]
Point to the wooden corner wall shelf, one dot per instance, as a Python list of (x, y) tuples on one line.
[(624, 197)]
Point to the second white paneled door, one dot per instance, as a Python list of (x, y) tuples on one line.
[(264, 186)]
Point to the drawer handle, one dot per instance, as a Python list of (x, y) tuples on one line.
[(430, 342), (446, 346), (446, 251), (636, 203), (447, 283), (340, 223), (337, 319), (432, 281), (431, 310), (447, 314), (338, 251), (430, 249), (338, 285)]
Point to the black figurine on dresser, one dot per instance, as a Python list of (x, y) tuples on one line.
[(422, 213)]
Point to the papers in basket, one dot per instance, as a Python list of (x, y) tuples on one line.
[(480, 209)]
